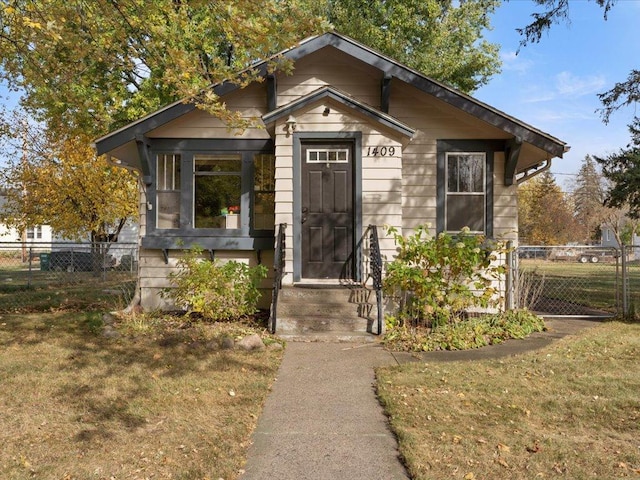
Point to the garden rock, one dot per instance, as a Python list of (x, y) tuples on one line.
[(275, 346), (109, 332), (228, 343), (252, 342)]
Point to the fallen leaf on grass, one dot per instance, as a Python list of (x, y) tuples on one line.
[(534, 449), (469, 476), (500, 461), (503, 448)]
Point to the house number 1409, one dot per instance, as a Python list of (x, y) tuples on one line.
[(381, 151)]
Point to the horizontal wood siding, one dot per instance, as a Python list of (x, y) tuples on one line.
[(331, 67), (436, 120), (505, 203), (154, 274), (250, 101)]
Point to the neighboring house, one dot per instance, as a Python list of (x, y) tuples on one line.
[(608, 239), (37, 234), (350, 138)]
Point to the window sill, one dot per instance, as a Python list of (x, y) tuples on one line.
[(208, 242)]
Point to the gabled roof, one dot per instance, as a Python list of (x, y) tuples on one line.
[(344, 99), (389, 68)]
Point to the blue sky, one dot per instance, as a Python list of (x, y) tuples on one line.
[(553, 85)]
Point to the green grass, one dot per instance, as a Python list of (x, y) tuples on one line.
[(22, 290), (159, 401), (595, 286), (568, 411)]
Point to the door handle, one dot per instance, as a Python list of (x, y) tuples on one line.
[(304, 216)]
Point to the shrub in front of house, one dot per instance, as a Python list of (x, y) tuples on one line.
[(215, 290), (475, 332), (435, 280)]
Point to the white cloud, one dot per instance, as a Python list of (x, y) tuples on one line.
[(571, 85), (513, 62)]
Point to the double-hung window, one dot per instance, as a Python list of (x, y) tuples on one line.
[(465, 204), (465, 185)]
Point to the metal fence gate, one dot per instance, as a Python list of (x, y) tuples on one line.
[(63, 275), (574, 280)]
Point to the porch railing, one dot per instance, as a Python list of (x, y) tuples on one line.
[(375, 270), (278, 267)]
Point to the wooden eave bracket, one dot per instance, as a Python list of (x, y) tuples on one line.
[(272, 92), (385, 93), (511, 154), (145, 158)]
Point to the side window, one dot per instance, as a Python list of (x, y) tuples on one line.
[(465, 200), (168, 191), (264, 191), (217, 191)]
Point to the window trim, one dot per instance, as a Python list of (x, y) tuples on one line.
[(488, 147), (195, 173), (187, 235), (449, 194)]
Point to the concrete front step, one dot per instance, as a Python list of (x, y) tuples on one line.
[(333, 337), (326, 313), (314, 324)]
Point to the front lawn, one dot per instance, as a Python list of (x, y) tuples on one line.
[(571, 411), (161, 400)]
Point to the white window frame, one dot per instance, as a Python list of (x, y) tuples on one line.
[(328, 151), (482, 195)]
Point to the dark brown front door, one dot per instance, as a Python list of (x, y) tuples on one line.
[(327, 209)]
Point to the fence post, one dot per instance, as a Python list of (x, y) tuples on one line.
[(30, 265), (625, 299), (509, 282)]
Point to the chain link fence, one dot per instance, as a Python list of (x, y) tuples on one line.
[(62, 275), (631, 281), (568, 280)]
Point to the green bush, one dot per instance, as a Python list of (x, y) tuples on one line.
[(435, 279), (471, 333), (216, 290)]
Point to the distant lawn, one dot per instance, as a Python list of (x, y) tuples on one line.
[(157, 402), (592, 285), (569, 411), (22, 290)]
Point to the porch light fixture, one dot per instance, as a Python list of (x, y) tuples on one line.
[(291, 124)]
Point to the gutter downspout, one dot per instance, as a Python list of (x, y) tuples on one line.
[(542, 170)]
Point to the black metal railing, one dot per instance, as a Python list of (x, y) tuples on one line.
[(278, 267), (375, 270)]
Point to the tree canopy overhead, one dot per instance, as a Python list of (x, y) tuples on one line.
[(92, 66), (440, 38)]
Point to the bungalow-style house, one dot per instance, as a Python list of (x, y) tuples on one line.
[(351, 138)]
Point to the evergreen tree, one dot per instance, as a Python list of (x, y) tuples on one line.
[(588, 199)]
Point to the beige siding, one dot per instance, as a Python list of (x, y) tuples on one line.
[(154, 274), (330, 67), (505, 203), (251, 102)]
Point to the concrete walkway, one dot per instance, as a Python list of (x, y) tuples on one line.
[(322, 419)]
